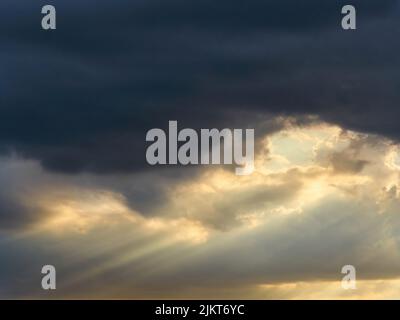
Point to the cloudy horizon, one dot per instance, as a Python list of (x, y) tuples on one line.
[(76, 191)]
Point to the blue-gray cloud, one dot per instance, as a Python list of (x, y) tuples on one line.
[(81, 98)]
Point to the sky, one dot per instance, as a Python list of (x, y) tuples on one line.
[(76, 191)]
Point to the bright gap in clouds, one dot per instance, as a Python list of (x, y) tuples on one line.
[(320, 198)]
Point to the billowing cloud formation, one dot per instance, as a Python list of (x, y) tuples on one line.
[(75, 190), (282, 233)]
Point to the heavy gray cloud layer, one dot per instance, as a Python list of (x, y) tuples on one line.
[(81, 98)]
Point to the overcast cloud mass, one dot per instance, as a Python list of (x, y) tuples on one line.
[(76, 191)]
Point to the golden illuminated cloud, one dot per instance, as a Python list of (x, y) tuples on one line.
[(320, 198)]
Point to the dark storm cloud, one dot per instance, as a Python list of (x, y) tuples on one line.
[(13, 213), (82, 98)]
